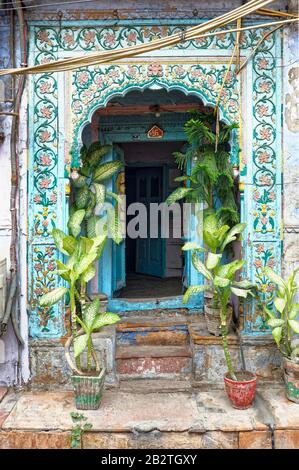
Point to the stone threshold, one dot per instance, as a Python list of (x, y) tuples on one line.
[(179, 418)]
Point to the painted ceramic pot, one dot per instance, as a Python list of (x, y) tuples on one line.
[(88, 390), (88, 386), (241, 393), (291, 379)]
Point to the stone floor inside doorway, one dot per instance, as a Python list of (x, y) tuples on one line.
[(141, 286), (151, 415)]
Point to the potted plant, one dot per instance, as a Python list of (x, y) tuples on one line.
[(89, 197), (89, 382), (217, 238), (283, 321), (208, 179), (240, 385), (79, 268)]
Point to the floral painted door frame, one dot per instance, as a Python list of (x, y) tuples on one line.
[(61, 104)]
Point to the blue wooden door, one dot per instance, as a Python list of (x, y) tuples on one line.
[(149, 250), (119, 255)]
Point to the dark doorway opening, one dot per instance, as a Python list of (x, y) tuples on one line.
[(154, 266)]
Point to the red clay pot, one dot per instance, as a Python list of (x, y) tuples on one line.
[(241, 393)]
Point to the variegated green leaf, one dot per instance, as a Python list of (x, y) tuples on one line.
[(84, 262), (275, 322), (280, 304), (177, 195), (69, 244), (100, 193), (294, 325), (294, 311), (277, 333), (114, 196), (193, 246), (232, 235), (59, 236), (92, 224), (89, 273), (96, 155), (82, 197), (90, 312), (244, 284), (229, 270), (240, 292), (79, 182), (52, 297), (270, 313), (106, 171), (212, 260), (114, 227), (221, 282), (80, 343), (74, 223), (200, 267), (105, 319), (193, 290), (275, 278)]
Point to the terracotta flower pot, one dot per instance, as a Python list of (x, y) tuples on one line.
[(241, 393), (291, 379), (212, 316)]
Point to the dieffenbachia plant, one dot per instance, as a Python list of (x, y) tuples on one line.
[(221, 280), (81, 253), (217, 236), (284, 319), (89, 195)]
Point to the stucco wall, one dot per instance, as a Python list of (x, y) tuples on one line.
[(291, 146)]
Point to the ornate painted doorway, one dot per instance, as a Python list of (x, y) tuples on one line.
[(62, 105)]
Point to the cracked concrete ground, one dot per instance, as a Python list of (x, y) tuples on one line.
[(128, 418)]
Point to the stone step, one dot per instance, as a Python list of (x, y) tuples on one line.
[(155, 329), (139, 362)]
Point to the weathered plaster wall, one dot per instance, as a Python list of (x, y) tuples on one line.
[(8, 361), (291, 146)]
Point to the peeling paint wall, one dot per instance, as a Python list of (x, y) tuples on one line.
[(9, 359), (291, 145)]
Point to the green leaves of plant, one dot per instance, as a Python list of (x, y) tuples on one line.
[(93, 320), (105, 319), (275, 278), (82, 197), (52, 297), (232, 235), (80, 343), (177, 195), (213, 260), (74, 223), (193, 290), (106, 170), (200, 267)]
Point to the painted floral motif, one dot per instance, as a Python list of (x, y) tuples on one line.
[(107, 38), (45, 280), (93, 86), (263, 256)]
